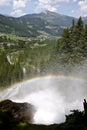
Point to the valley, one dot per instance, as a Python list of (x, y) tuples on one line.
[(40, 56)]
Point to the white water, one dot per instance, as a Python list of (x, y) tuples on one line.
[(9, 60), (52, 96)]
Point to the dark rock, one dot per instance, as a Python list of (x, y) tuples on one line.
[(19, 111)]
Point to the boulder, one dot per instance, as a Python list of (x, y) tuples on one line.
[(18, 111)]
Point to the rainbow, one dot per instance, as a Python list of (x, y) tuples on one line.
[(41, 79), (51, 95), (47, 77)]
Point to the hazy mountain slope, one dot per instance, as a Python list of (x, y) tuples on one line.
[(36, 24), (24, 26), (10, 25), (52, 18), (85, 20)]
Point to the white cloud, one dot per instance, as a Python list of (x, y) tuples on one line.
[(45, 6), (5, 2), (72, 11), (75, 0), (83, 7), (52, 2), (17, 13), (51, 5), (17, 4)]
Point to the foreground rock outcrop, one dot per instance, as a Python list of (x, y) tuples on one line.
[(18, 111), (11, 118)]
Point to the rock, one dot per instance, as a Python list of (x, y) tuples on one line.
[(19, 111)]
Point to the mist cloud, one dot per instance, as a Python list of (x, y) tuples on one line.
[(53, 97)]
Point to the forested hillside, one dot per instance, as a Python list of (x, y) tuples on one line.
[(31, 25), (73, 43), (74, 39), (21, 58)]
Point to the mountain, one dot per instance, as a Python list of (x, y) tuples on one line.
[(85, 19), (52, 18), (44, 23), (29, 25)]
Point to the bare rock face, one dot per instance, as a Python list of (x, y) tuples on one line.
[(19, 111)]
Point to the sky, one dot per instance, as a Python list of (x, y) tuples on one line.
[(16, 8)]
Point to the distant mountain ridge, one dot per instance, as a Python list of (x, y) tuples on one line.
[(52, 18), (46, 22)]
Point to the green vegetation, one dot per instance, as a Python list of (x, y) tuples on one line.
[(29, 26), (22, 57), (74, 42)]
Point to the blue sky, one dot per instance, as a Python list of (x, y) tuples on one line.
[(18, 8)]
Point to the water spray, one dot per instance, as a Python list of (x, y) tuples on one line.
[(52, 96)]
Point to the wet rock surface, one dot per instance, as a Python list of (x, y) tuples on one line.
[(18, 111)]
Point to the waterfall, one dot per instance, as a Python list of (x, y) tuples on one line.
[(52, 96)]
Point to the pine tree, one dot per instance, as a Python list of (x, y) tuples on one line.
[(79, 28), (66, 39), (73, 38), (73, 26)]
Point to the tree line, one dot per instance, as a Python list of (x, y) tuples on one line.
[(74, 39)]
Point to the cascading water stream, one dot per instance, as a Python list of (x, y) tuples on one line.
[(52, 96)]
